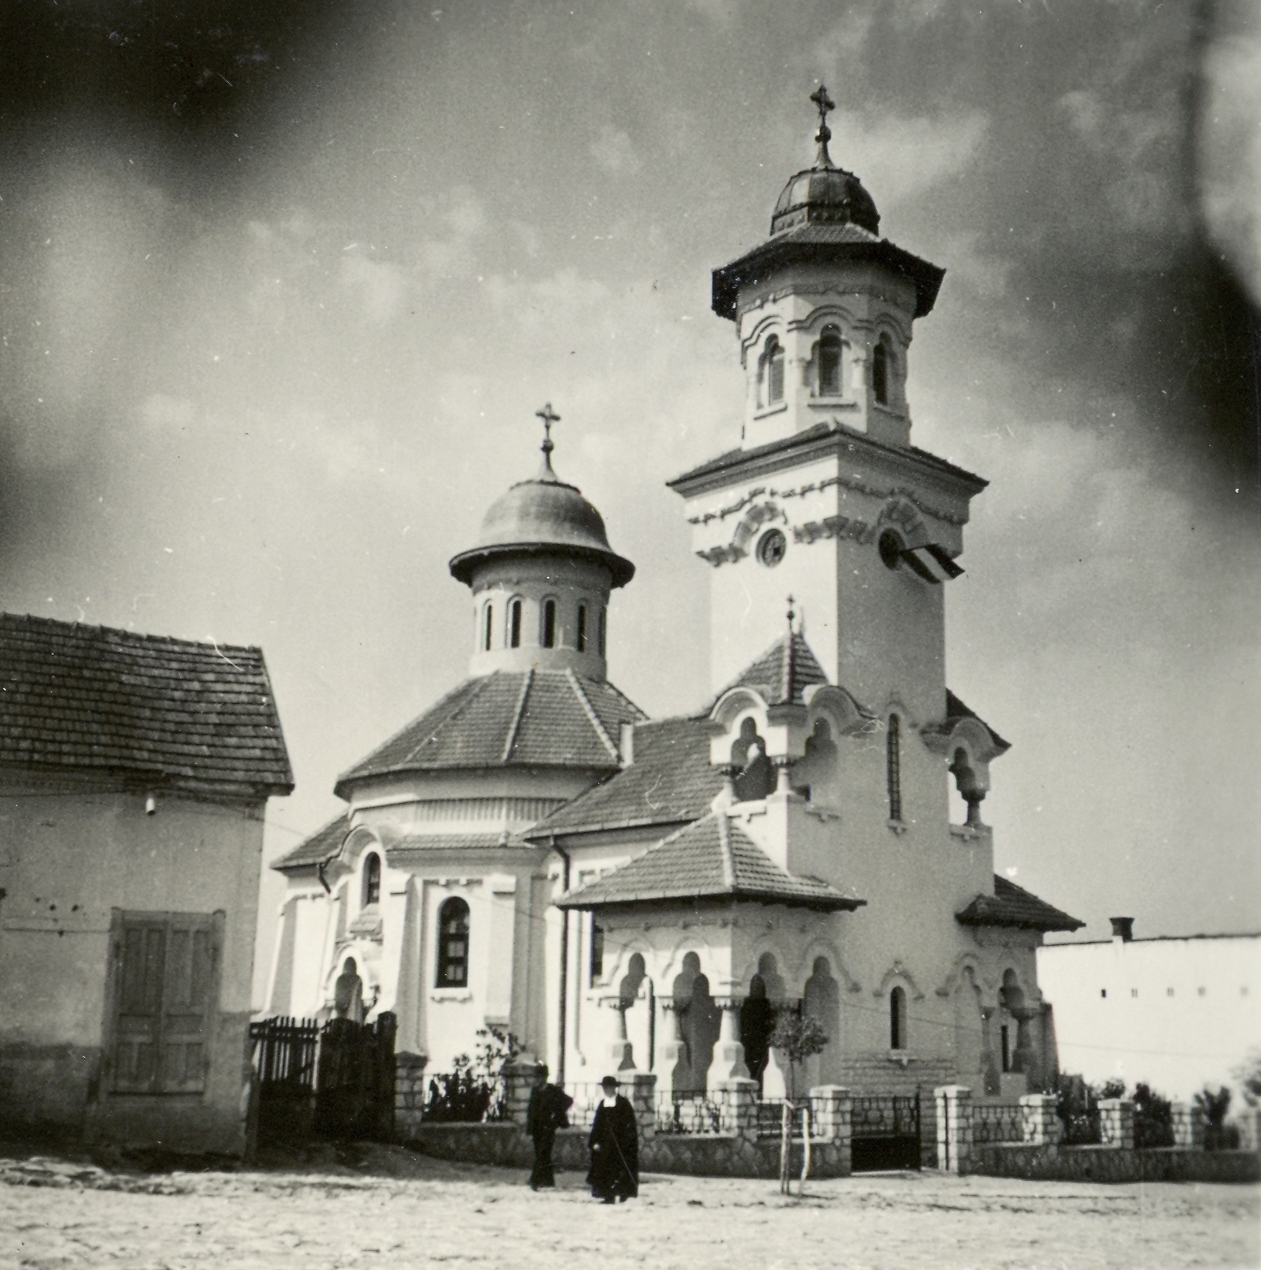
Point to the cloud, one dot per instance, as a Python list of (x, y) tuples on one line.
[(615, 152), (903, 157), (380, 285)]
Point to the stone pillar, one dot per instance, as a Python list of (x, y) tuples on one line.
[(1116, 1123), (1188, 1125), (831, 1121), (520, 1076), (409, 1092), (1038, 1119), (673, 1047), (620, 1051), (953, 1105), (728, 1062), (990, 1068), (643, 1097), (737, 1101), (1025, 1059)]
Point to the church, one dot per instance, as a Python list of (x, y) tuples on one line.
[(632, 894)]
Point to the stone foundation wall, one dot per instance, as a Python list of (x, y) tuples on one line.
[(700, 1154), (1051, 1162)]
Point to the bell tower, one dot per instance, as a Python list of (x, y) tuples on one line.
[(825, 496)]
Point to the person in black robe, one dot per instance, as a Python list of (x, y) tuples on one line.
[(547, 1112), (614, 1144)]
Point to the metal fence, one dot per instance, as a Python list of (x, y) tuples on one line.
[(996, 1122), (689, 1113), (770, 1118), (885, 1116)]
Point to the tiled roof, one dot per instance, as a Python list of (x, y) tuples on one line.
[(168, 710), (818, 432), (327, 842), (955, 709), (319, 846), (1012, 905), (669, 782), (708, 859), (782, 673), (534, 718)]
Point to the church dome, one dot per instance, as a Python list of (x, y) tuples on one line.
[(825, 195), (543, 516)]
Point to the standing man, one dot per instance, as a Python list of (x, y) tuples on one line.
[(545, 1114), (614, 1144)]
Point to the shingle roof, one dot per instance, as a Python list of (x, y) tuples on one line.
[(712, 858), (782, 673), (319, 846), (1012, 905), (819, 432), (669, 782), (168, 710), (534, 718), (326, 842)]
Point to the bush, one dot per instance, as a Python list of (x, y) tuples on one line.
[(1248, 1074), (1077, 1105), (1153, 1118), (1218, 1135), (474, 1090)]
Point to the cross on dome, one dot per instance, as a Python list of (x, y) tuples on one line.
[(549, 417), (825, 104)]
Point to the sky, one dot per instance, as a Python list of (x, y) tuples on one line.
[(280, 293)]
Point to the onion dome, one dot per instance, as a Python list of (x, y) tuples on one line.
[(824, 194), (543, 516)]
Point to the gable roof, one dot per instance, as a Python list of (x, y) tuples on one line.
[(1012, 905), (783, 672), (532, 718), (323, 843), (670, 781), (170, 711), (712, 858)]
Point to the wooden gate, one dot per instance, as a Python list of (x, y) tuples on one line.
[(336, 1081), (885, 1132), (354, 1084)]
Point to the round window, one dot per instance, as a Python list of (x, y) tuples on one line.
[(771, 548), (890, 548)]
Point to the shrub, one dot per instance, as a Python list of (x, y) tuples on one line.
[(1077, 1105), (459, 1095), (1153, 1118), (1248, 1074), (1218, 1135)]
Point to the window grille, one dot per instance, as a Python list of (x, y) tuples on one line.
[(372, 879), (453, 944), (894, 767)]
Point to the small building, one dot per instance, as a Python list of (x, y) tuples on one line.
[(134, 774), (1175, 1012), (646, 895)]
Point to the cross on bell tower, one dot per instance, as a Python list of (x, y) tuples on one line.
[(549, 417), (825, 104)]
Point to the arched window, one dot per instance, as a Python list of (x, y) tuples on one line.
[(603, 613), (597, 952), (453, 944), (897, 1019), (893, 767), (773, 372), (880, 372), (830, 363), (514, 624), (372, 879), (488, 616), (548, 633), (580, 633)]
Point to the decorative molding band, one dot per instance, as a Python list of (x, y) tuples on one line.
[(855, 483), (834, 527)]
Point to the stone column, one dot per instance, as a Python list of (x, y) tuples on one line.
[(1188, 1125), (620, 1051), (990, 1068), (831, 1119), (643, 1097), (1116, 1122), (953, 1105), (409, 1092), (673, 1047), (1039, 1122), (728, 1062), (520, 1076), (1025, 1059)]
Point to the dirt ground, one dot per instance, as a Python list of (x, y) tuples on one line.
[(368, 1207)]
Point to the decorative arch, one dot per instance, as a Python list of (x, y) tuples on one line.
[(903, 515), (964, 961), (898, 973), (838, 707), (819, 947)]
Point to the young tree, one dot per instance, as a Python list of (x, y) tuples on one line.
[(797, 1037)]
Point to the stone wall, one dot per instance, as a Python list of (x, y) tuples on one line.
[(1051, 1162)]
